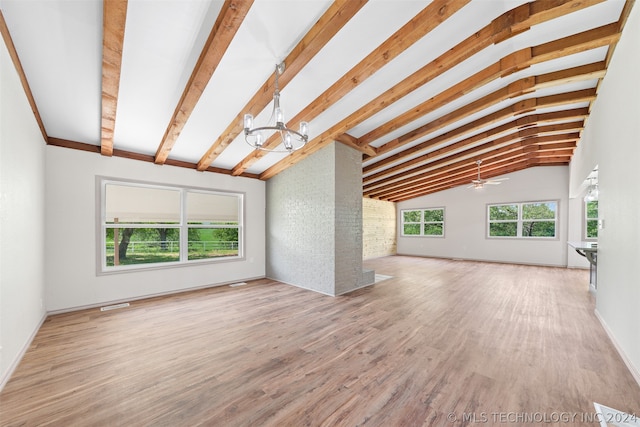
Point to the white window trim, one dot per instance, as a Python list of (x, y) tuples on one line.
[(520, 221), (584, 222), (101, 226), (422, 222)]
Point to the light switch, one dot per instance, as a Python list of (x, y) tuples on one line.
[(600, 224)]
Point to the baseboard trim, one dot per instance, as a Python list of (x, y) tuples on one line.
[(16, 361), (142, 297), (634, 371), (489, 261)]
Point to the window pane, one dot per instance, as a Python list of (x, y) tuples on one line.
[(539, 211), (592, 228), (498, 229), (592, 209), (411, 229), (434, 215), (503, 212), (207, 208), (411, 216), (433, 230), (539, 229), (141, 205), (142, 245), (212, 242)]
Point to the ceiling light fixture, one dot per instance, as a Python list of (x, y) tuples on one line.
[(592, 192), (479, 183), (291, 140)]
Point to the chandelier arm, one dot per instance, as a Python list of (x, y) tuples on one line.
[(253, 131)]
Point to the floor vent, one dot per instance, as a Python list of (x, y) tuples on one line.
[(114, 306), (237, 284)]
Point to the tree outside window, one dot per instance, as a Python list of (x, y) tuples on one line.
[(527, 220), (423, 222), (591, 219), (145, 224)]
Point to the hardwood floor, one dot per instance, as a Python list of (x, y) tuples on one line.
[(438, 344)]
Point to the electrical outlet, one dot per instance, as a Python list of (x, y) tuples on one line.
[(600, 224)]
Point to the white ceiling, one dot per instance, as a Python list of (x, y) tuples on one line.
[(59, 43)]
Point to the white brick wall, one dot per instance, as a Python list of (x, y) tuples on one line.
[(314, 222), (348, 226)]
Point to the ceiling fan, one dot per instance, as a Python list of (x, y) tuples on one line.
[(480, 183)]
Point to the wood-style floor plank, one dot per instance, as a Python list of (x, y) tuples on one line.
[(439, 343)]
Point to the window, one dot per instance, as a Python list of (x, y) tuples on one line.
[(524, 220), (145, 225), (423, 222), (591, 219)]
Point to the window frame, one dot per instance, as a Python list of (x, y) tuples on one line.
[(422, 222), (520, 220), (183, 225), (586, 219)]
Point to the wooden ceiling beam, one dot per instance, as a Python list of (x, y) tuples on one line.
[(522, 86), (522, 122), (520, 107), (581, 42), (508, 145), (461, 162), (520, 162), (13, 54), (448, 170), (570, 145), (502, 28), (524, 58), (402, 170), (91, 148), (352, 142), (551, 161), (114, 19), (424, 22), (229, 19), (512, 167), (515, 162), (516, 166), (332, 21), (462, 178), (516, 109), (499, 151)]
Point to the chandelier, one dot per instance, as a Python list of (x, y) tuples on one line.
[(592, 192), (291, 140)]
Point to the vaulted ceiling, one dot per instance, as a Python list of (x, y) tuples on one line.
[(424, 89)]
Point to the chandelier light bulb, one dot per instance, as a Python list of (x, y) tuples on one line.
[(248, 121), (279, 116)]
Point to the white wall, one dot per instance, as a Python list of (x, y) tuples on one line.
[(466, 220), (22, 167), (71, 231), (611, 140), (314, 217)]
